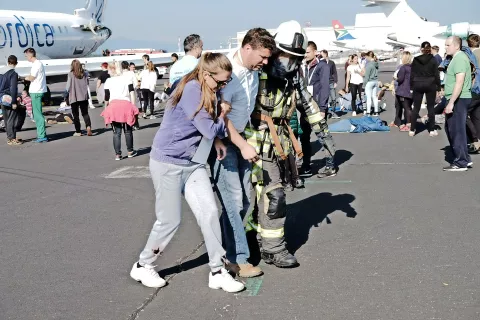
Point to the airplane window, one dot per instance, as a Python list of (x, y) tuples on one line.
[(60, 29), (66, 30)]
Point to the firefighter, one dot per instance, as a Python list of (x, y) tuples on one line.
[(281, 91)]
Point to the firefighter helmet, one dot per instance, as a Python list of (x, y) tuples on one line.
[(291, 38)]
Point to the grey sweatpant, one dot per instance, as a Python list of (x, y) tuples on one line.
[(170, 182)]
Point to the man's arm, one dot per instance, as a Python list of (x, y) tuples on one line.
[(321, 86), (33, 73), (334, 73), (248, 151), (457, 90)]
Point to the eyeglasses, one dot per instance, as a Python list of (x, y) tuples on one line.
[(220, 83)]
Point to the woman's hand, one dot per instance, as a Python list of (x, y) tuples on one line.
[(220, 148)]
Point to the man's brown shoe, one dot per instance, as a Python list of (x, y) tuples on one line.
[(249, 271)]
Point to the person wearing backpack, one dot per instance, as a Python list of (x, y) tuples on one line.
[(8, 100), (473, 122), (458, 86)]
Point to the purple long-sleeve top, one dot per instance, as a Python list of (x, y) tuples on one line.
[(180, 133), (403, 79)]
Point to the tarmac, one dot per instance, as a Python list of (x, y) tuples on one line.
[(392, 236)]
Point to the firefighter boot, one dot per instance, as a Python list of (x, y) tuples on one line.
[(283, 259)]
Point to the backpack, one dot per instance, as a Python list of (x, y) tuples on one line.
[(475, 68)]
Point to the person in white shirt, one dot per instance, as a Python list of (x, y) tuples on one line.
[(354, 82), (193, 47), (120, 111), (38, 87), (148, 82), (232, 174)]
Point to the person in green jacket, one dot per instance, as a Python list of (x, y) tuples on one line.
[(370, 83)]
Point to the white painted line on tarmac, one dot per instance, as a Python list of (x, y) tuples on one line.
[(129, 172)]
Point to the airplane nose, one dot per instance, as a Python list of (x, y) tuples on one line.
[(392, 36)]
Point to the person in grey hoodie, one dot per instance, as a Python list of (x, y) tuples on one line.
[(370, 82)]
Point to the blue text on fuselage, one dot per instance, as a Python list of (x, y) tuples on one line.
[(37, 35)]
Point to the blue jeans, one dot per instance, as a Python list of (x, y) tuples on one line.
[(232, 177), (455, 126), (371, 92)]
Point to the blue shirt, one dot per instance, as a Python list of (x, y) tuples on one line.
[(182, 67)]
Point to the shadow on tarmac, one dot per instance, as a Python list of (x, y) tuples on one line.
[(310, 212), (341, 156)]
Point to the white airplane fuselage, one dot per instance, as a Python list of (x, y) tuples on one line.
[(52, 35)]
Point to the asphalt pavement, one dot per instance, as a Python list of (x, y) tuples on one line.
[(392, 236)]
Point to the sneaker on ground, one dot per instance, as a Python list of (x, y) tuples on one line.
[(223, 280), (411, 133), (305, 172), (354, 114), (144, 116), (433, 133), (132, 154), (249, 271), (152, 117), (77, 134), (41, 140), (118, 157), (147, 276), (328, 172), (470, 165), (454, 168)]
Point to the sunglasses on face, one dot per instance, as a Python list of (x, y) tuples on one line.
[(220, 83)]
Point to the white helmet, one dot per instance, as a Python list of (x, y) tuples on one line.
[(291, 38)]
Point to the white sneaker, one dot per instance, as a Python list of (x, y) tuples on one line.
[(470, 165), (224, 280), (354, 114), (153, 117), (433, 133), (147, 276)]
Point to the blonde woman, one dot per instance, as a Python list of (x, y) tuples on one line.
[(177, 166), (403, 93), (120, 111), (148, 82)]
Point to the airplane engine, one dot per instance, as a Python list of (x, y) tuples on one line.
[(461, 30)]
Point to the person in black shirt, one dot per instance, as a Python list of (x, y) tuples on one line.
[(101, 82), (332, 100)]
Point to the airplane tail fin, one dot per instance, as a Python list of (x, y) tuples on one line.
[(397, 11), (94, 11), (340, 32)]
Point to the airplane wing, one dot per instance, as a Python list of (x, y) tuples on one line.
[(341, 44), (57, 70)]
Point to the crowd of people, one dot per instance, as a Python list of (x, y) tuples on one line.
[(248, 116)]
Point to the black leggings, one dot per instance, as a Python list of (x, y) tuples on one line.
[(354, 89), (148, 98), (473, 120), (83, 106), (419, 90), (405, 105)]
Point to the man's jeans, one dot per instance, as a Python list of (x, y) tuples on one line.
[(232, 177), (455, 126)]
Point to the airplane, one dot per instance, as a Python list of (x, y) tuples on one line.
[(345, 40), (412, 29), (59, 38)]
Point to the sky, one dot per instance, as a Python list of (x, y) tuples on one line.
[(158, 24)]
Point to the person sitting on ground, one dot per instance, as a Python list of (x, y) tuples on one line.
[(25, 101)]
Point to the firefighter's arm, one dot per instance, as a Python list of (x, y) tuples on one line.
[(306, 101)]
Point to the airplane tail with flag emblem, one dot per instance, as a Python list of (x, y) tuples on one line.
[(340, 32)]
